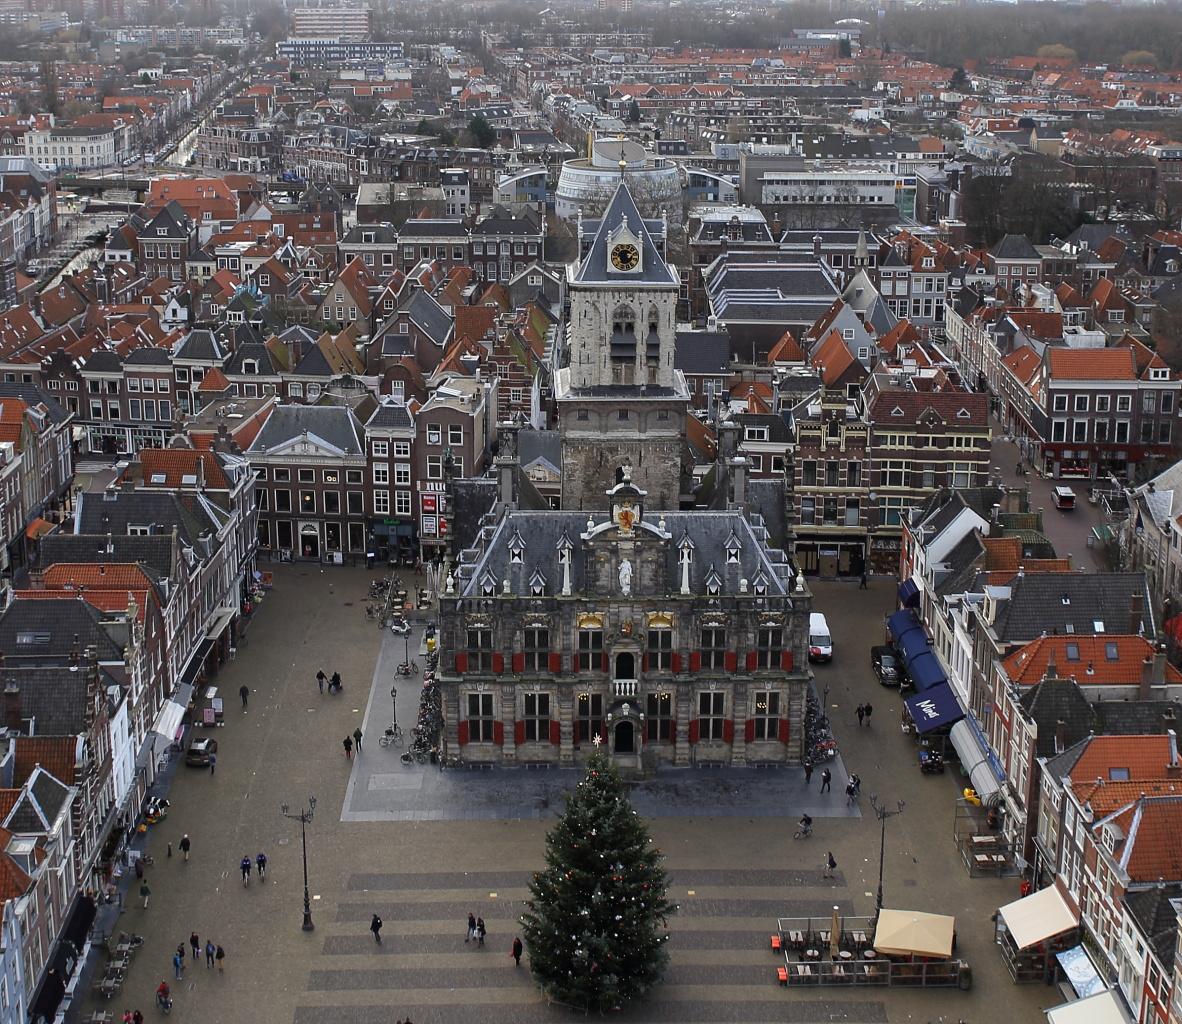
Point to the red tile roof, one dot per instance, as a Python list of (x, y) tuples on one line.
[(214, 382), (1091, 364), (175, 463), (786, 350), (832, 357), (56, 754), (1145, 757), (1028, 664)]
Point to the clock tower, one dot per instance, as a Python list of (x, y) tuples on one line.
[(622, 405)]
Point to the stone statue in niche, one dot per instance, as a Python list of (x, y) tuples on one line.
[(626, 577)]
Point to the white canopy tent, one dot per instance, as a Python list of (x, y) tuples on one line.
[(1038, 917), (912, 933), (1102, 1008)]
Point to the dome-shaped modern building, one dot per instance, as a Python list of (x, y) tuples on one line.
[(588, 183)]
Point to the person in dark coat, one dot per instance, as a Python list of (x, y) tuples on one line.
[(196, 944), (808, 772), (471, 928), (347, 743), (357, 738), (517, 951), (375, 926), (335, 683), (480, 931), (861, 713), (869, 709), (321, 679), (826, 778), (244, 693)]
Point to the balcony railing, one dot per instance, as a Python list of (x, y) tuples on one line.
[(625, 687)]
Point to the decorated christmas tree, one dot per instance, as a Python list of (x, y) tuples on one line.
[(595, 928)]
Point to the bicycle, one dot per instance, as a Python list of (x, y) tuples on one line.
[(392, 736), (408, 668), (455, 761), (803, 832)]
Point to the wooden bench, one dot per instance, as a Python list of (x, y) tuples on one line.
[(777, 944), (782, 975), (796, 938)]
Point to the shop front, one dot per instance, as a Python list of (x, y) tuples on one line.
[(1032, 931), (831, 557), (394, 540)]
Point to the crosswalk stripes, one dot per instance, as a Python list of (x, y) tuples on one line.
[(721, 968)]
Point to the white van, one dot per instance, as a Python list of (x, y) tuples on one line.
[(820, 639)]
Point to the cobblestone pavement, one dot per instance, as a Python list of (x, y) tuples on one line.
[(732, 876)]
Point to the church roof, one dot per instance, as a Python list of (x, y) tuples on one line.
[(596, 268)]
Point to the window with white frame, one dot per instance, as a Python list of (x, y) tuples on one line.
[(381, 473), (711, 715), (434, 467), (402, 503), (381, 503), (402, 449), (381, 449), (402, 474)]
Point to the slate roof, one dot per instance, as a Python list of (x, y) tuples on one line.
[(1014, 247), (42, 633), (1051, 602), (335, 425), (390, 415), (103, 361), (201, 345), (148, 356), (544, 445), (541, 532), (702, 352), (1052, 701), (430, 316), (32, 395), (422, 227), (155, 552), (595, 267), (1156, 912), (39, 804), (256, 351), (196, 518)]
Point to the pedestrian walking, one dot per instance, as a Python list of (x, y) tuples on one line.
[(808, 772), (220, 957), (180, 950), (213, 763), (856, 782), (335, 683), (516, 954), (137, 1018), (145, 892), (480, 930), (169, 849), (471, 928), (178, 964), (869, 711), (347, 743), (357, 738), (826, 778), (321, 679), (196, 944), (210, 949), (375, 926), (244, 866), (861, 713), (244, 693), (185, 845), (862, 585), (139, 867), (851, 792), (260, 862), (830, 865)]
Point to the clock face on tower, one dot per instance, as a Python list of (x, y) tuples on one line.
[(625, 256)]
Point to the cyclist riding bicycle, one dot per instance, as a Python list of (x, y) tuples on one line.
[(806, 823)]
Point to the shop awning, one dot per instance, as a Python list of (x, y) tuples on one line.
[(221, 619), (925, 671), (975, 760), (196, 660), (38, 528), (909, 594), (168, 722), (900, 622), (1038, 917), (1080, 971), (912, 933), (912, 645), (933, 708), (183, 695), (1102, 1008)]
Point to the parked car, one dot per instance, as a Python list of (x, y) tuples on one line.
[(1064, 499), (820, 639), (888, 666), (200, 751)]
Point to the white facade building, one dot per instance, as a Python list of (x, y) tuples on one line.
[(586, 184), (71, 147)]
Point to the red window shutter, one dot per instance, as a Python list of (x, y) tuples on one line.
[(749, 730), (694, 729), (786, 660), (782, 734), (462, 728), (676, 661), (518, 662), (603, 662), (519, 733), (555, 663), (752, 661), (730, 661), (728, 731), (644, 662), (498, 663), (555, 732), (499, 733), (462, 661), (695, 661)]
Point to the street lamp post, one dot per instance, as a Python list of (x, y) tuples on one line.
[(305, 819), (882, 813)]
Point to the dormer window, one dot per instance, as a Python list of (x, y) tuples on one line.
[(516, 549), (733, 550), (488, 585), (713, 582), (760, 584), (537, 584), (565, 547)]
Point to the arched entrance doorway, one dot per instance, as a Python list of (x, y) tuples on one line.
[(625, 738)]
